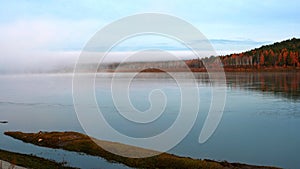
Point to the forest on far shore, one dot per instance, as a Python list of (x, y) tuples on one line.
[(278, 56), (283, 54)]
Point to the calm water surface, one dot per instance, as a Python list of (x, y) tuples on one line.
[(260, 124)]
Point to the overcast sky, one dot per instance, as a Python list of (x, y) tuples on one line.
[(35, 33)]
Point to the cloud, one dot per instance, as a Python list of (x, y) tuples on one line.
[(41, 44), (229, 46), (237, 42), (42, 35), (31, 45)]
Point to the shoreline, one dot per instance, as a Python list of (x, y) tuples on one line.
[(155, 70), (18, 160), (224, 69), (73, 141)]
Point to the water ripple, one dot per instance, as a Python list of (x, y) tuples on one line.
[(35, 104)]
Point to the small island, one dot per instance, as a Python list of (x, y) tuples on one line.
[(73, 141)]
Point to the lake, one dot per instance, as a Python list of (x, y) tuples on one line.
[(260, 123)]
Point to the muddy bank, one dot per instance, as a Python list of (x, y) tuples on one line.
[(73, 141), (28, 161)]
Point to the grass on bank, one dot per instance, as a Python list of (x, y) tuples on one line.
[(29, 161), (78, 142)]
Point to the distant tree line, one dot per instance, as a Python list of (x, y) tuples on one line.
[(278, 55), (281, 54)]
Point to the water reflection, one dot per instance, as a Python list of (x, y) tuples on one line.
[(254, 128), (278, 84)]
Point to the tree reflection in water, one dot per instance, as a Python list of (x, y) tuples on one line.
[(279, 84)]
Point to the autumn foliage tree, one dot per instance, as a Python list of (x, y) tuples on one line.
[(282, 54)]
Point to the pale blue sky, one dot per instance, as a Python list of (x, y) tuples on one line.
[(32, 30)]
